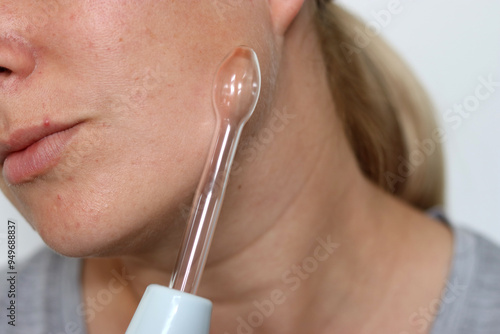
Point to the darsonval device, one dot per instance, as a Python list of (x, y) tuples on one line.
[(176, 309)]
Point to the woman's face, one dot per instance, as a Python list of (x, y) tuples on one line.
[(136, 76)]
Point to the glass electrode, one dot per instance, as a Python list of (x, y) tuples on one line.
[(236, 90)]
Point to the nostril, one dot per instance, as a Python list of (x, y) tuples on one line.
[(17, 57), (4, 70)]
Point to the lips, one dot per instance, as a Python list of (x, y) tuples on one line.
[(32, 152)]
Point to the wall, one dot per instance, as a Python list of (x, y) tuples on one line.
[(453, 46)]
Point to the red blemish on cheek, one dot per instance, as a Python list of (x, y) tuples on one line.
[(58, 197)]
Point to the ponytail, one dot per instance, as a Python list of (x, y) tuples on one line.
[(387, 117)]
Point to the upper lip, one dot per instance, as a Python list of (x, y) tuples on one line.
[(23, 138)]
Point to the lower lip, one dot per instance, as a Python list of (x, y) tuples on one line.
[(37, 159)]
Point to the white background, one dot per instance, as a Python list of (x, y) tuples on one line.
[(449, 44)]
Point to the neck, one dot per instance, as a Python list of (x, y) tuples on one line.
[(299, 221)]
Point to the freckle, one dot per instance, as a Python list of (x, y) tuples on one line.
[(239, 186), (120, 40)]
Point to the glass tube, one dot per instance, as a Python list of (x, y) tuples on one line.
[(236, 90)]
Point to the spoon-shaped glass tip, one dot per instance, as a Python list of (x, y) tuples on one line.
[(237, 85)]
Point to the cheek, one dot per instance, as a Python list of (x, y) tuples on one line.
[(141, 75), (138, 180)]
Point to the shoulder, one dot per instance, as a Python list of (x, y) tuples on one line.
[(471, 301), (477, 261), (40, 291)]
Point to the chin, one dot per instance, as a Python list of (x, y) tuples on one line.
[(73, 240), (103, 229), (74, 236)]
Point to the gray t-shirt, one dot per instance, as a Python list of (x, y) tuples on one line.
[(49, 301)]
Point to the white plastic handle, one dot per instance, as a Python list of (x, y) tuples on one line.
[(167, 311)]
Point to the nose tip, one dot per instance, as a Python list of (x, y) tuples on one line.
[(16, 58)]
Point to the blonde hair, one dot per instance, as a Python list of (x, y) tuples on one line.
[(387, 117)]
